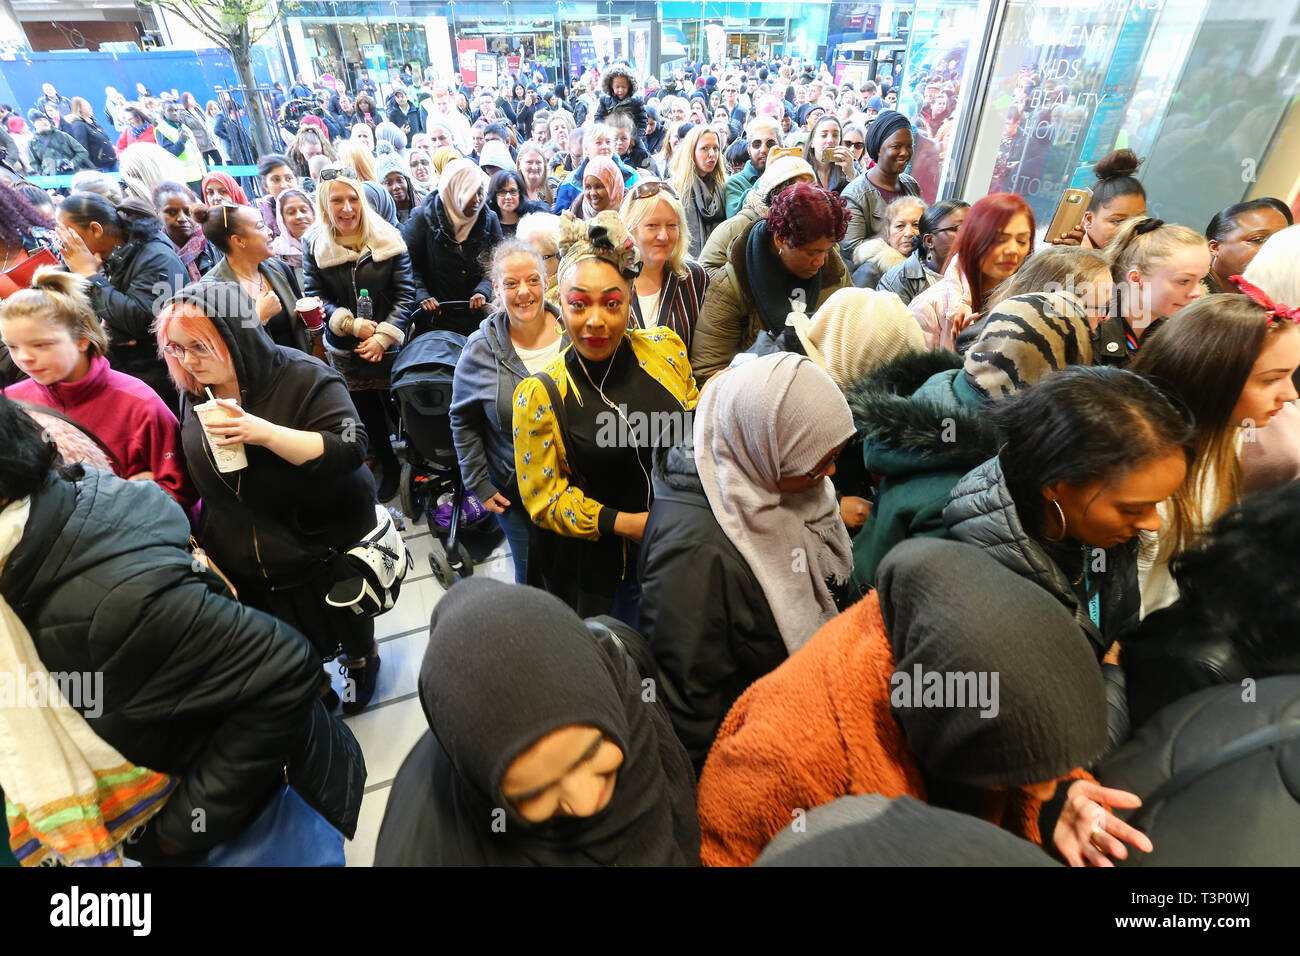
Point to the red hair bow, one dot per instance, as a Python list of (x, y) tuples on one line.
[(1257, 295)]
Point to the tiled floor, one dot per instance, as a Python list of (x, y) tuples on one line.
[(393, 722)]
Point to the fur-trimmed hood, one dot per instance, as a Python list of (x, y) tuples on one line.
[(382, 240), (878, 251), (619, 69), (917, 414)]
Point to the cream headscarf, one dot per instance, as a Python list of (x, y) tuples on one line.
[(855, 331), (458, 183), (778, 416)]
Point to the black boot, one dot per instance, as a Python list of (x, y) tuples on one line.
[(391, 482), (361, 674)]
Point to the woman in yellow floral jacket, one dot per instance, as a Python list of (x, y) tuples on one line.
[(586, 427)]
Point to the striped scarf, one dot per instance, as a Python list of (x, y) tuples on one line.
[(69, 797)]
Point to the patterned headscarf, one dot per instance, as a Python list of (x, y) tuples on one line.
[(602, 237)]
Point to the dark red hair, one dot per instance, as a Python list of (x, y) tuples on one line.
[(806, 212), (979, 233)]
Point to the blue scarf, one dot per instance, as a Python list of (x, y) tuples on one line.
[(138, 131)]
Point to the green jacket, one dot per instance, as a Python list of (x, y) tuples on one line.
[(738, 185), (47, 149), (729, 319), (924, 428)]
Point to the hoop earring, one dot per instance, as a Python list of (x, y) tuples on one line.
[(1061, 514), (559, 326)]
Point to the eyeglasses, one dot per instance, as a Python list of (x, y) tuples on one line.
[(347, 172), (855, 144), (512, 191), (652, 188), (178, 352), (940, 232)]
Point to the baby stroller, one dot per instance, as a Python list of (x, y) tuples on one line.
[(421, 384)]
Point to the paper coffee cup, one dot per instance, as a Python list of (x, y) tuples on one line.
[(227, 457), (311, 312)]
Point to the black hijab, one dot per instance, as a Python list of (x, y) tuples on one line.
[(506, 665), (950, 607)]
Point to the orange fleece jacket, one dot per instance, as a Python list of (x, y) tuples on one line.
[(816, 729)]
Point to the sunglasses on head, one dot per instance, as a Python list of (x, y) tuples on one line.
[(347, 172), (653, 188)]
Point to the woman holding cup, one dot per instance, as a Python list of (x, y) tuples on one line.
[(273, 444), (245, 243)]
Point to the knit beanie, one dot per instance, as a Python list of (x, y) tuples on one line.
[(390, 163), (496, 153), (1023, 339), (855, 331), (952, 610), (780, 171)]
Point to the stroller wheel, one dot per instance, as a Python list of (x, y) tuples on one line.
[(440, 566), (410, 500), (460, 561)]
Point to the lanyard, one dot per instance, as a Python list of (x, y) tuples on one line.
[(1094, 602)]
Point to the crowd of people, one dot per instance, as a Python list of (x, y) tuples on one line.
[(769, 437)]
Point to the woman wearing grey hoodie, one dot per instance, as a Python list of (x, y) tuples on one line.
[(518, 340)]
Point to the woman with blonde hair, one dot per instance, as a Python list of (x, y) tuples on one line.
[(353, 153), (82, 126), (531, 161), (144, 166), (354, 249), (700, 179), (54, 336), (670, 287), (1158, 268)]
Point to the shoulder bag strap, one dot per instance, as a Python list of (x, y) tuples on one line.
[(561, 421), (1261, 739)]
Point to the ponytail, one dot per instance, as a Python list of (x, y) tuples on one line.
[(59, 298)]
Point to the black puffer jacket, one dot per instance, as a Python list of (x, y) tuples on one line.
[(981, 511), (702, 610), (195, 684), (1245, 812), (91, 135), (274, 522), (137, 278), (445, 269)]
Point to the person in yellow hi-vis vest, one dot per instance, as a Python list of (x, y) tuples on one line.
[(175, 137)]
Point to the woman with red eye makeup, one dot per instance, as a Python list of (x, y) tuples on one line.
[(585, 428)]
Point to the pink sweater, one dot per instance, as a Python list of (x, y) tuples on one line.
[(127, 416)]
